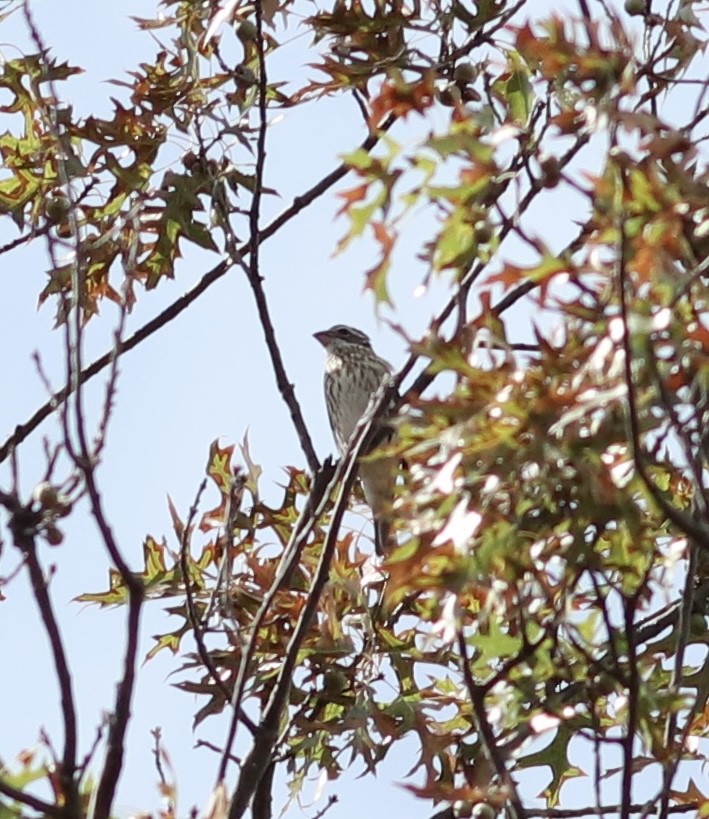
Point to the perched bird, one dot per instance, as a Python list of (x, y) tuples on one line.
[(353, 374)]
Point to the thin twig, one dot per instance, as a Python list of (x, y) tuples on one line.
[(685, 613), (610, 631), (25, 536), (91, 752), (253, 274), (332, 800), (124, 694), (84, 459), (632, 685), (23, 522), (157, 750), (197, 631), (487, 737)]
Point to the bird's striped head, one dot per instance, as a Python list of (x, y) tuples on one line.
[(342, 335)]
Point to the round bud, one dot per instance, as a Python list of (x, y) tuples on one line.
[(464, 73), (56, 208), (448, 95), (636, 8), (483, 231), (246, 31), (45, 495), (52, 535), (51, 500), (551, 171)]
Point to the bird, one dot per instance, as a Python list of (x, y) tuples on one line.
[(353, 375)]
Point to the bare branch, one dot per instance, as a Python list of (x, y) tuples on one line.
[(261, 807), (632, 683), (580, 813), (23, 525), (684, 613), (85, 460), (332, 800), (124, 694)]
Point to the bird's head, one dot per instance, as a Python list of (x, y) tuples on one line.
[(342, 336)]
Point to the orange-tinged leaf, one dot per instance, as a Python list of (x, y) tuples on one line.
[(541, 274), (400, 99), (376, 277), (154, 558), (352, 196), (214, 518), (691, 796), (510, 275), (382, 235), (219, 466)]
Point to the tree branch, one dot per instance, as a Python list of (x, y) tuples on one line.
[(197, 631), (122, 708), (581, 813), (684, 614), (323, 485), (23, 525), (487, 737)]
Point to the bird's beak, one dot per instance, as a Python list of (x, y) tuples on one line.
[(323, 337)]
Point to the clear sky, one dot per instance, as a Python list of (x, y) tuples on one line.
[(204, 376)]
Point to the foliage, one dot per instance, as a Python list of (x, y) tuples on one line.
[(550, 589)]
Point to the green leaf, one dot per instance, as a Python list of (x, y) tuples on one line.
[(519, 92), (554, 756)]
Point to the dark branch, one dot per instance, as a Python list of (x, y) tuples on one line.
[(118, 725), (581, 813), (323, 485), (23, 525), (492, 750)]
